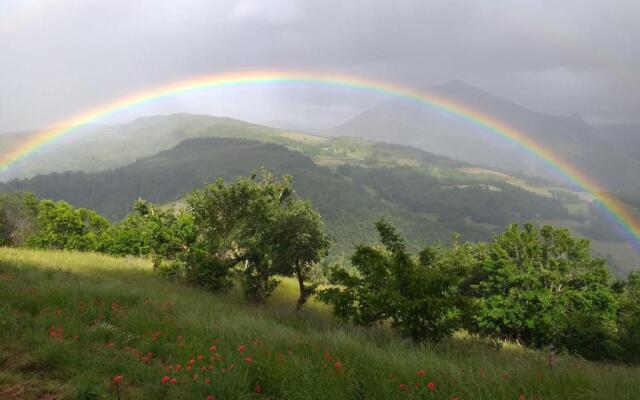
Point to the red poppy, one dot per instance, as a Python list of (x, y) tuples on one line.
[(241, 348), (207, 381), (258, 388), (421, 373), (211, 397), (174, 381), (403, 386), (165, 379), (117, 379), (431, 386), (337, 365), (249, 360), (213, 348)]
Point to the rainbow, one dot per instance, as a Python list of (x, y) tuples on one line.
[(620, 214)]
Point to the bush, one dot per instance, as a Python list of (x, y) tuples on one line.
[(207, 271), (422, 296)]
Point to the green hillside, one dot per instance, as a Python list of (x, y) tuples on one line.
[(71, 322), (426, 205)]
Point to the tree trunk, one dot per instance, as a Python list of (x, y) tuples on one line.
[(303, 291)]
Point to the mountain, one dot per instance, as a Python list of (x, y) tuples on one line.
[(94, 147), (403, 121), (350, 196), (625, 138), (352, 182)]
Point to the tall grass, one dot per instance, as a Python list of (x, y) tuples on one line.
[(70, 322)]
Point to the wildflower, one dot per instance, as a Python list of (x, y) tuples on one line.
[(421, 373), (165, 379), (174, 381), (249, 360), (200, 357), (117, 379), (337, 365), (213, 348), (211, 397), (258, 388), (431, 386), (418, 384), (241, 348), (207, 381), (403, 386)]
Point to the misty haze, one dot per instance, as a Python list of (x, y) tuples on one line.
[(319, 199)]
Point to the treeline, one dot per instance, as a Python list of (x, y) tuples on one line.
[(539, 287)]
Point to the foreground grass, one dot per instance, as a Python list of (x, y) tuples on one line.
[(71, 322)]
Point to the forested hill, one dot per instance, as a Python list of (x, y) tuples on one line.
[(350, 197)]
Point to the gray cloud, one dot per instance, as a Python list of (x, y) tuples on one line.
[(61, 57)]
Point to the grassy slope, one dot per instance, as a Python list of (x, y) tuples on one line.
[(113, 312)]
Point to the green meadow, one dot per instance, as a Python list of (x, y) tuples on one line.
[(72, 323)]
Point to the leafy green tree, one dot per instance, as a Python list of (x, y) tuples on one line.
[(60, 226), (543, 288), (422, 297), (233, 223), (629, 319), (150, 230), (18, 212), (298, 243)]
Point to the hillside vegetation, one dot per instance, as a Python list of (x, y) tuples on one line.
[(351, 181), (350, 196), (71, 323)]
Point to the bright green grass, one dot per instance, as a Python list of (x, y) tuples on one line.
[(111, 312)]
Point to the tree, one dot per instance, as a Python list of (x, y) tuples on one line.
[(150, 230), (18, 212), (629, 318), (60, 226), (233, 224), (422, 297), (543, 288), (298, 243)]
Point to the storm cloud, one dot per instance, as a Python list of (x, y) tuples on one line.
[(58, 58)]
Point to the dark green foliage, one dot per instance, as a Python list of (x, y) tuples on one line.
[(60, 226), (629, 319), (543, 288), (18, 213), (150, 230), (299, 243), (421, 297), (258, 226), (207, 270)]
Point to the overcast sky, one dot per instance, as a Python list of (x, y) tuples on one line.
[(60, 57)]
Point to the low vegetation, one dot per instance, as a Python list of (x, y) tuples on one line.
[(88, 326)]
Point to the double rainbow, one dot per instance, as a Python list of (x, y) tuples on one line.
[(619, 213)]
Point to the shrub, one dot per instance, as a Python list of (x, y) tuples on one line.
[(421, 296)]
